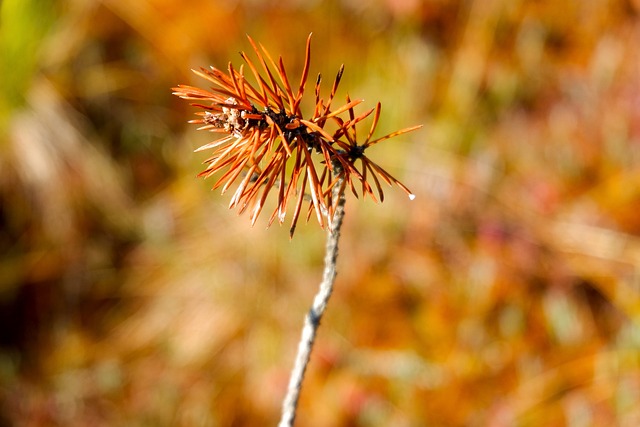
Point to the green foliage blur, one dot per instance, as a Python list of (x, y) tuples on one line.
[(506, 294)]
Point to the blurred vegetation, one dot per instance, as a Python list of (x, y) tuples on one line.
[(507, 293)]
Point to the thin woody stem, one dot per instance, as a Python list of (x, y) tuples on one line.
[(313, 317)]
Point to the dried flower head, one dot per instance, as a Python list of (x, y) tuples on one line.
[(269, 144)]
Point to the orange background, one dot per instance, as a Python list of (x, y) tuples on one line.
[(506, 294)]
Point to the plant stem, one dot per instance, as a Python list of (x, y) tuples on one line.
[(312, 319)]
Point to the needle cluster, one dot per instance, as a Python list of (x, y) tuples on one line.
[(269, 145)]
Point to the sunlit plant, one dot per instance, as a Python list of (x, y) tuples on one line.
[(270, 146)]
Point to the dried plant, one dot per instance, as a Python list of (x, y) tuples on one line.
[(269, 144)]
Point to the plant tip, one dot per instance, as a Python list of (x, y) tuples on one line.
[(265, 134)]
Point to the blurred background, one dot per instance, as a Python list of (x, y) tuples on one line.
[(506, 294)]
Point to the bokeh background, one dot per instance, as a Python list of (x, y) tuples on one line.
[(506, 294)]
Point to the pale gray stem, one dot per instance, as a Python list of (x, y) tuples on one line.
[(312, 319)]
